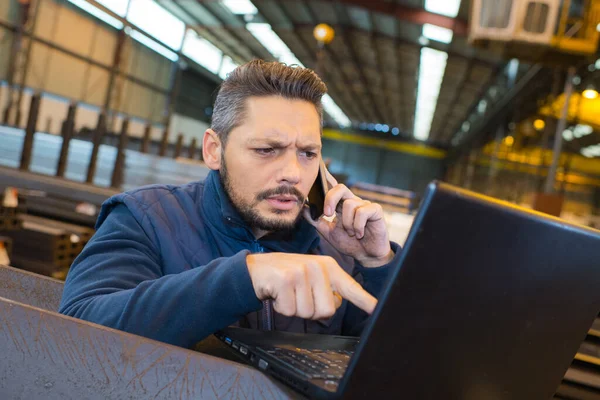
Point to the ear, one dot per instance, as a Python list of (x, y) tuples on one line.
[(211, 149)]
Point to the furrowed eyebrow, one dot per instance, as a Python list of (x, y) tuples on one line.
[(310, 147), (268, 142)]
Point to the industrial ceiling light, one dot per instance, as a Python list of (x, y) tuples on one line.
[(509, 141), (590, 93), (539, 124), (324, 33)]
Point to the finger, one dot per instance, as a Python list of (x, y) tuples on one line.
[(351, 290), (284, 300), (330, 179), (322, 225), (348, 214), (364, 214), (305, 307), (334, 196), (337, 299), (323, 297)]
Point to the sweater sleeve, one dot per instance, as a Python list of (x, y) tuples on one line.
[(117, 281), (373, 280)]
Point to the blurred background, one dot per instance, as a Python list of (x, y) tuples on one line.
[(500, 97), (496, 96)]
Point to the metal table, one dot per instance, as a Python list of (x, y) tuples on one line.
[(46, 355)]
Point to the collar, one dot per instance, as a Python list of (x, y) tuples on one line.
[(222, 215)]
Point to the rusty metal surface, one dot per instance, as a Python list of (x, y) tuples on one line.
[(48, 356), (29, 288)]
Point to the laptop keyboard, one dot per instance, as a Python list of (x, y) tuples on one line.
[(313, 364)]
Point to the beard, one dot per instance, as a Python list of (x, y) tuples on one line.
[(248, 210)]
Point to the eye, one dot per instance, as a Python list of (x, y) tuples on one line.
[(309, 154), (265, 152)]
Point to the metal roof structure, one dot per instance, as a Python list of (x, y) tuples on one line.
[(372, 66)]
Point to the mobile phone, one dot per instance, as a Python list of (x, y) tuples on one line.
[(316, 196)]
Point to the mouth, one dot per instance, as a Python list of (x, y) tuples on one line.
[(283, 202)]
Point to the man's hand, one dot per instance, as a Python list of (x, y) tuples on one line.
[(305, 286), (359, 229)]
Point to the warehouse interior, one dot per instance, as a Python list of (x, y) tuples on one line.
[(98, 97)]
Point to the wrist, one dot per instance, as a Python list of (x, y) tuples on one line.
[(376, 262)]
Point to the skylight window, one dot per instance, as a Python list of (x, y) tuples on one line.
[(158, 22), (432, 67), (226, 67), (448, 8), (269, 39), (437, 33), (335, 111), (431, 73), (202, 51), (240, 7), (101, 15), (157, 47), (119, 7)]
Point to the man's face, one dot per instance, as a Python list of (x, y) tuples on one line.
[(271, 161)]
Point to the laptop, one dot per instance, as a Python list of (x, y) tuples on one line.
[(489, 301)]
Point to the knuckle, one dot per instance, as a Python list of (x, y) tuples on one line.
[(287, 311), (291, 276), (328, 311), (329, 260)]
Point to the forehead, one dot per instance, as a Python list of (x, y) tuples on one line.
[(275, 117)]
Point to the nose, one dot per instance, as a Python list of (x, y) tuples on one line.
[(291, 170)]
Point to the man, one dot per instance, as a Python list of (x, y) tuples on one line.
[(177, 263)]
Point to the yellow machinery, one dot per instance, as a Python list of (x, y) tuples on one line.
[(552, 31)]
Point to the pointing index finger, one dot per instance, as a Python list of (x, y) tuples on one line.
[(351, 290)]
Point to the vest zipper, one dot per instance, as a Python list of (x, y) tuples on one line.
[(267, 310)]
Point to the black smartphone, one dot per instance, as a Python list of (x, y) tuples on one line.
[(316, 196)]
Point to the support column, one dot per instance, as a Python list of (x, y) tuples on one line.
[(549, 201), (19, 61)]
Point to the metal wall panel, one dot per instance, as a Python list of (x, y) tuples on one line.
[(141, 102), (73, 29), (6, 38), (64, 74), (407, 171), (8, 10), (146, 64), (383, 167)]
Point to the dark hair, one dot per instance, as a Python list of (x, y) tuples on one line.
[(262, 78)]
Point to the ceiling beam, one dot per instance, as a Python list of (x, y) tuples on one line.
[(452, 105), (360, 107), (405, 114), (406, 13), (387, 104), (357, 65), (229, 50), (469, 53), (307, 49), (416, 15)]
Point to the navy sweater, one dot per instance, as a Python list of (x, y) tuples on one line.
[(169, 263)]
